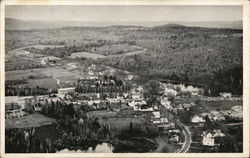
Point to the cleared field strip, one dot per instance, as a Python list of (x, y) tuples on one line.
[(34, 120), (86, 55)]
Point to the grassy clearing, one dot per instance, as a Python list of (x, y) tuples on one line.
[(24, 74), (57, 72), (34, 120), (121, 123), (62, 74), (86, 55), (48, 83)]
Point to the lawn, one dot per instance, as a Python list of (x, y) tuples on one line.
[(24, 74), (34, 120), (86, 55), (121, 123), (45, 77), (48, 83), (62, 74)]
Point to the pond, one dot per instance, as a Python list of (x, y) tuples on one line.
[(100, 148)]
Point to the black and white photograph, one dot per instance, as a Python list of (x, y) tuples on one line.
[(123, 79)]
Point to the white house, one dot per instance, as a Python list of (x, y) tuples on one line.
[(137, 102), (208, 139), (13, 110), (165, 102), (164, 120), (226, 95), (156, 114), (170, 92), (63, 91), (174, 138), (156, 121), (197, 119), (218, 133)]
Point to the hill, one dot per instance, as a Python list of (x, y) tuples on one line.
[(16, 24), (209, 56), (171, 51)]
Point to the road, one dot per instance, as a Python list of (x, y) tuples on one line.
[(186, 145)]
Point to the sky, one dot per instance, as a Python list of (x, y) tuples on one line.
[(125, 13)]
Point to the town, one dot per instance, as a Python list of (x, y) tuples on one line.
[(179, 116)]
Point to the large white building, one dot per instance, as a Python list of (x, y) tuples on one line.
[(63, 91), (208, 139)]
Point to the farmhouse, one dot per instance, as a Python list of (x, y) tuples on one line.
[(38, 107), (63, 91), (197, 119), (164, 120), (226, 95), (13, 110), (217, 116), (174, 138), (156, 114), (129, 77), (218, 133), (166, 126), (208, 139), (165, 102)]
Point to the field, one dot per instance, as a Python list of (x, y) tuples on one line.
[(24, 74), (48, 83), (86, 55), (115, 49), (62, 74), (44, 74), (34, 120), (121, 123)]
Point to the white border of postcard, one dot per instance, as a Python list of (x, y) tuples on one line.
[(246, 59)]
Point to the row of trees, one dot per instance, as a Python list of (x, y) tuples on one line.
[(11, 90), (109, 89)]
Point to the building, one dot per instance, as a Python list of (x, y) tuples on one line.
[(137, 102), (38, 107), (166, 126), (156, 114), (217, 116), (156, 121), (226, 95), (63, 91), (165, 102), (174, 138), (164, 120), (208, 139), (197, 119), (129, 77), (218, 133), (13, 110)]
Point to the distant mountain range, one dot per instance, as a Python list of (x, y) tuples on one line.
[(15, 24)]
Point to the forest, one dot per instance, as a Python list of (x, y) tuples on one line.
[(187, 54)]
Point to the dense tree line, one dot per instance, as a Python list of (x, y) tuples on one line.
[(186, 54), (16, 90)]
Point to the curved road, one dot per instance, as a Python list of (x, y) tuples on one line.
[(186, 145)]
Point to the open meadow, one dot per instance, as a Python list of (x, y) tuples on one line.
[(34, 120)]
